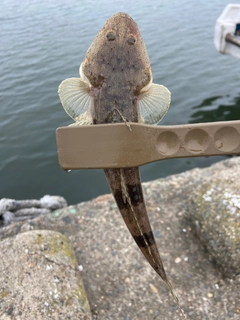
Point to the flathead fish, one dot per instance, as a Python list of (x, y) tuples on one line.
[(115, 85)]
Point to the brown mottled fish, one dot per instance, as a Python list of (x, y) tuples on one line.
[(115, 85)]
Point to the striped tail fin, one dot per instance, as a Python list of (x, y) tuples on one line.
[(126, 187)]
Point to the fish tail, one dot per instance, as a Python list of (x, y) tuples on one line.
[(127, 191), (126, 187)]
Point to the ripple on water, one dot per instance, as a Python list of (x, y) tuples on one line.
[(44, 42)]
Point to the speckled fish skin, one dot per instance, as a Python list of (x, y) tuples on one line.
[(118, 67)]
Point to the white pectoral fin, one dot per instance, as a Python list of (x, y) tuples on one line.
[(76, 100), (153, 104)]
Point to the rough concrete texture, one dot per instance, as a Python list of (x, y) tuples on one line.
[(214, 213), (40, 279), (120, 284)]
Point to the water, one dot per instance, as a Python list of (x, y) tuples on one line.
[(44, 42)]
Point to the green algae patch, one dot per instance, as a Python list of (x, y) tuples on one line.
[(39, 239), (78, 294), (61, 213), (44, 280), (72, 210), (54, 244), (3, 293), (57, 213)]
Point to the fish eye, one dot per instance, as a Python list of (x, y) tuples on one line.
[(131, 39), (111, 36)]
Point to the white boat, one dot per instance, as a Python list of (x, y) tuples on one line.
[(227, 31)]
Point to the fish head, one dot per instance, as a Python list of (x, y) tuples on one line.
[(115, 83), (118, 51)]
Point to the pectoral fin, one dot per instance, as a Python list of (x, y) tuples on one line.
[(153, 103), (76, 100)]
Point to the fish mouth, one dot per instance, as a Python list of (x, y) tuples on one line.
[(121, 17), (122, 14)]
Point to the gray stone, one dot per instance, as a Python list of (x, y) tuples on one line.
[(214, 214), (40, 279), (120, 284)]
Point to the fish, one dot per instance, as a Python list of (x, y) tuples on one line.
[(115, 86)]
